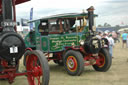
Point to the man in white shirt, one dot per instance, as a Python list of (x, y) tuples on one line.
[(111, 44), (105, 35)]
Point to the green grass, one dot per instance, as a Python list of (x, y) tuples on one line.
[(117, 75)]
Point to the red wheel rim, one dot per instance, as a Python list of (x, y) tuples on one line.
[(101, 60), (71, 63), (34, 70)]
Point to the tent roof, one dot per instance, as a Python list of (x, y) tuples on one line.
[(64, 15), (17, 1), (122, 29)]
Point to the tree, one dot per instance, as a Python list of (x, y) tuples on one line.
[(107, 25), (100, 25), (117, 26)]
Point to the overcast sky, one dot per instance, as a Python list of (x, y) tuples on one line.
[(113, 12)]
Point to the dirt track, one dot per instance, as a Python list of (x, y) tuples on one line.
[(117, 75)]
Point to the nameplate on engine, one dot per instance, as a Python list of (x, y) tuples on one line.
[(14, 49)]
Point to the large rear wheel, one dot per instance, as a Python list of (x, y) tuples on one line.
[(37, 68), (74, 62), (103, 61)]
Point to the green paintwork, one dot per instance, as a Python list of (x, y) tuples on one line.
[(44, 43), (58, 42), (55, 42), (30, 42)]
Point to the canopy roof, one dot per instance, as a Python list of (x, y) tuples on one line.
[(65, 15), (123, 29), (21, 1), (18, 1)]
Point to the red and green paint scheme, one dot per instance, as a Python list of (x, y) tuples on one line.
[(53, 42), (70, 40)]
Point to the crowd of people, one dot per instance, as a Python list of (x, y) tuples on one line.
[(111, 37), (114, 37)]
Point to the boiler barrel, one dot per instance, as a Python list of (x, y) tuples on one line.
[(11, 46)]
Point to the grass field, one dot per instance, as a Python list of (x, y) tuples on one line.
[(117, 75)]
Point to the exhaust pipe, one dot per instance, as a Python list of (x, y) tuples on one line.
[(7, 9), (91, 18), (7, 12)]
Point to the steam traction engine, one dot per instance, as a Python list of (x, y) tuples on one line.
[(12, 48)]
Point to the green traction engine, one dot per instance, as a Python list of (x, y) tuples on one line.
[(70, 40)]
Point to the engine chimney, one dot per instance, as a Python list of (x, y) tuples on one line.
[(7, 9), (7, 23), (91, 18)]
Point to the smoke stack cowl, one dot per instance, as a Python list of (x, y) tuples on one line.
[(90, 9)]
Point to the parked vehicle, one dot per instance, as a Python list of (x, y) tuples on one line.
[(71, 39), (12, 48)]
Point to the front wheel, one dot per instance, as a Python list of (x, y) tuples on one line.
[(37, 68), (103, 61), (74, 62)]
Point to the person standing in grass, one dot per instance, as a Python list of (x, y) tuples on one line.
[(111, 45), (124, 38), (127, 40), (114, 36), (99, 36)]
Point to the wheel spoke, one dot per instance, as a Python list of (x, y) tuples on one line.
[(38, 78), (34, 67), (34, 59), (100, 61), (31, 80)]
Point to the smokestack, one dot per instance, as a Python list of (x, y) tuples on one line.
[(7, 22), (7, 9), (91, 18)]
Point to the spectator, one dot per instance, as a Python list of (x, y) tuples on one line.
[(111, 45), (114, 36), (99, 36), (127, 41), (105, 35), (118, 36), (124, 38)]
